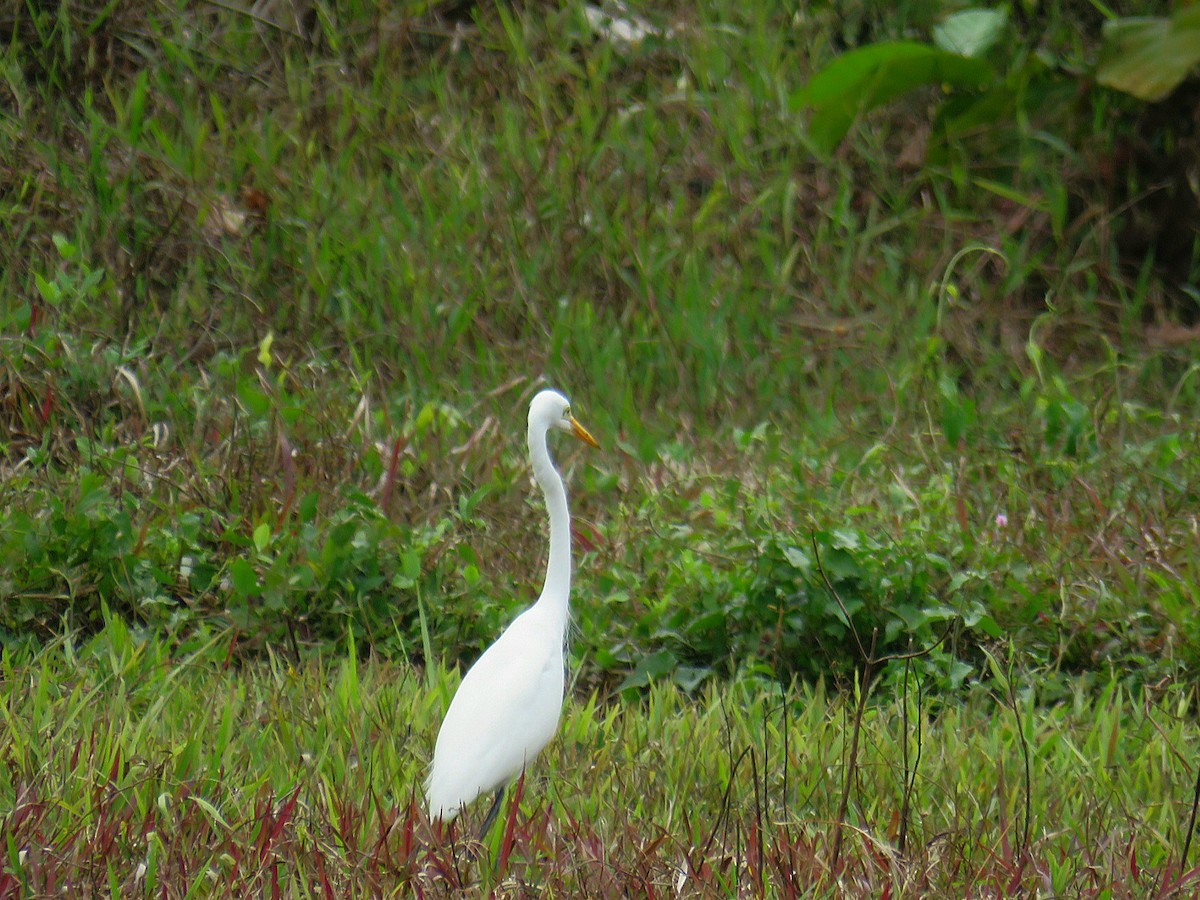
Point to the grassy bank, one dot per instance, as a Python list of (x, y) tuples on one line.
[(140, 769), (918, 415)]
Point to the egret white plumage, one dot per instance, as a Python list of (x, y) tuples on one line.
[(508, 705)]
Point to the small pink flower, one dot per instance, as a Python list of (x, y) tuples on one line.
[(1001, 520)]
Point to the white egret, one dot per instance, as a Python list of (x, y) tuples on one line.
[(508, 705)]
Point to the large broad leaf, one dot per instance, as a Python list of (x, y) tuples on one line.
[(971, 32), (1149, 57), (650, 667), (863, 79)]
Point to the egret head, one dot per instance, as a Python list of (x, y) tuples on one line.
[(550, 409)]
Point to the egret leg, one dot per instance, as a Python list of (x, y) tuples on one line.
[(490, 818)]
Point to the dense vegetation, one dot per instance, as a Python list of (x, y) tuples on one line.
[(896, 393)]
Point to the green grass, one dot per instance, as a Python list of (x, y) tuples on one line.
[(150, 768), (273, 300)]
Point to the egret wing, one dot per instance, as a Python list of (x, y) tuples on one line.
[(503, 714)]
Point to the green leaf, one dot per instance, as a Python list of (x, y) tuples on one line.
[(410, 565), (845, 538), (1149, 57), (245, 582), (425, 417), (972, 32), (256, 402), (649, 667), (264, 349), (689, 678), (840, 565), (49, 290), (308, 506), (65, 248), (210, 810), (797, 559), (339, 536), (977, 618), (958, 412), (262, 537), (863, 79)]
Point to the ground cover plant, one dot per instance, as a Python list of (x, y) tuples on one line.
[(894, 524), (302, 781)]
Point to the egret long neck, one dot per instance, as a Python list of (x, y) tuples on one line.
[(558, 568)]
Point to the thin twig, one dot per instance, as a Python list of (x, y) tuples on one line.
[(836, 596), (723, 815), (864, 692), (1028, 824), (786, 756), (1191, 829), (758, 816), (902, 838)]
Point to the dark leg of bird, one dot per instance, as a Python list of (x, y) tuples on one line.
[(490, 818)]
